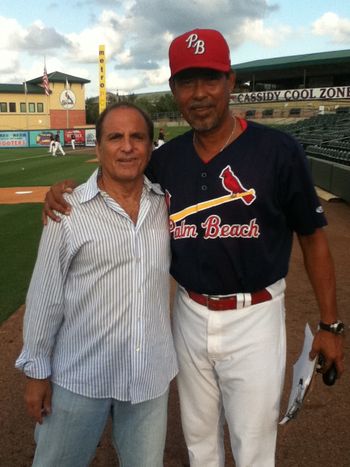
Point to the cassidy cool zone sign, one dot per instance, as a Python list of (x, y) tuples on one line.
[(341, 92)]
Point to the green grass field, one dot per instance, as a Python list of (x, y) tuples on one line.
[(21, 223), (35, 167)]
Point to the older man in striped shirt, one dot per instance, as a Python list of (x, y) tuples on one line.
[(97, 336)]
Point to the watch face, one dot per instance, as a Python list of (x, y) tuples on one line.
[(338, 328)]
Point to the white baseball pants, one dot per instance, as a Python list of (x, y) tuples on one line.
[(232, 366)]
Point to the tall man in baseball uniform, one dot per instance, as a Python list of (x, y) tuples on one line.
[(236, 191)]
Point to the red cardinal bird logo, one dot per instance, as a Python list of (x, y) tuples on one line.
[(232, 184)]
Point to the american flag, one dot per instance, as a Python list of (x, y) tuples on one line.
[(46, 82)]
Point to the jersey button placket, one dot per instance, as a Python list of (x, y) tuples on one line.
[(204, 175)]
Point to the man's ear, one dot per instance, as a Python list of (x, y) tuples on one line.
[(232, 79), (172, 85), (98, 154)]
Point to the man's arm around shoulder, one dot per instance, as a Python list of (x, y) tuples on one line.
[(54, 200)]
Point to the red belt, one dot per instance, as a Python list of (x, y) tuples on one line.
[(231, 302)]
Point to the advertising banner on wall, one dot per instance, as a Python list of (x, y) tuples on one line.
[(90, 137), (41, 138), (13, 139), (79, 137)]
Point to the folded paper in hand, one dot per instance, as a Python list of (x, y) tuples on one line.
[(303, 371)]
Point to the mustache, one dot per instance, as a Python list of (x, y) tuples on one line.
[(200, 105)]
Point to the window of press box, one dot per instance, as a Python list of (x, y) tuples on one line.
[(295, 111), (250, 113), (267, 113)]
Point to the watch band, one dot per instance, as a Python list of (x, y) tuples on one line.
[(337, 327)]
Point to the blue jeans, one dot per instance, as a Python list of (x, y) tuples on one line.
[(70, 435)]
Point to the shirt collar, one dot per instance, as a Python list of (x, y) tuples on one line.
[(152, 186), (91, 188)]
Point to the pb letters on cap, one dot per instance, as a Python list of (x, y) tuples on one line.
[(200, 48)]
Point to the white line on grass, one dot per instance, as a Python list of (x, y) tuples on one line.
[(26, 158), (34, 156)]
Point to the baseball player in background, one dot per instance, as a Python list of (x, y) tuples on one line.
[(57, 146), (236, 191), (72, 140), (52, 143)]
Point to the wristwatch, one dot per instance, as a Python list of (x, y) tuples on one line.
[(336, 328)]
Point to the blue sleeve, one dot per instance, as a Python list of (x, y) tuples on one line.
[(300, 203)]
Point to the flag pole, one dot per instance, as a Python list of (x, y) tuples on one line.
[(67, 108), (26, 101), (48, 110), (46, 86)]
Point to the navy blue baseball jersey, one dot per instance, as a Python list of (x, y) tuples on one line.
[(232, 219)]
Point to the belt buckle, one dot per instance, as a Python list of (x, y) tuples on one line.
[(214, 298), (221, 302)]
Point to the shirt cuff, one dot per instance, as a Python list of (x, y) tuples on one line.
[(38, 368)]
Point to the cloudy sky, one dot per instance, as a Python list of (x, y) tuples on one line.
[(137, 33)]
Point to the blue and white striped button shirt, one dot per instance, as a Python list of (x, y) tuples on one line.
[(97, 310)]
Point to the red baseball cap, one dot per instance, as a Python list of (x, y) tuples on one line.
[(200, 48)]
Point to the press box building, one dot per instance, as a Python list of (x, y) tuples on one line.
[(292, 86), (26, 106)]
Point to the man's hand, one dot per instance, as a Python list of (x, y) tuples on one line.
[(331, 346), (37, 397), (54, 200)]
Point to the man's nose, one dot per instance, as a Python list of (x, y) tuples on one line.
[(127, 144), (199, 89)]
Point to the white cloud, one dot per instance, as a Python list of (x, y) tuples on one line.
[(11, 33), (159, 76), (125, 58), (107, 31), (333, 26), (9, 61), (136, 35), (123, 84), (11, 37), (255, 31), (39, 38)]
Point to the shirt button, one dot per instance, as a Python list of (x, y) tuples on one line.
[(204, 174), (137, 349), (204, 187)]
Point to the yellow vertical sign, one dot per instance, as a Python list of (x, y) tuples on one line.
[(102, 75)]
